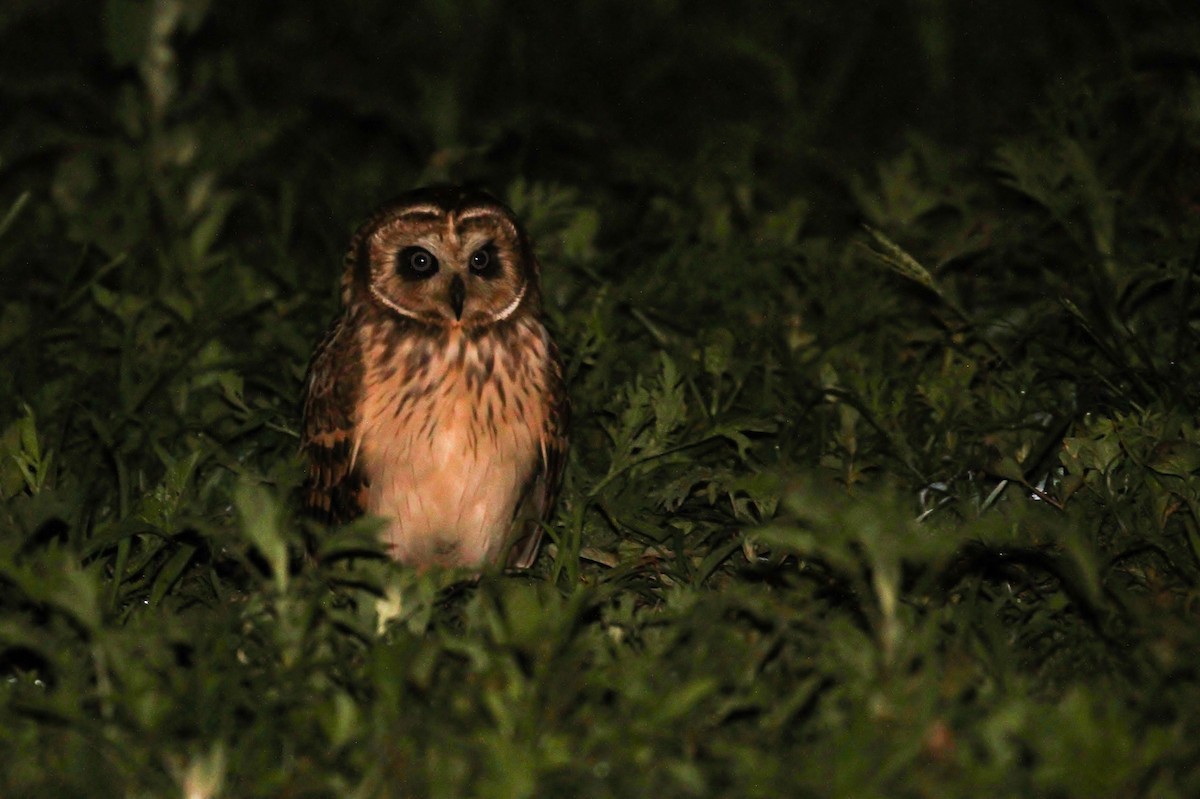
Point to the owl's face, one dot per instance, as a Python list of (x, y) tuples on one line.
[(445, 257)]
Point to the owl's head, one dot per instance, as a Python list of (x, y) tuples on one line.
[(443, 256)]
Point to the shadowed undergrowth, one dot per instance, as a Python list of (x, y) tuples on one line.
[(882, 346)]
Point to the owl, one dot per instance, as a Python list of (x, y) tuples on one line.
[(436, 400)]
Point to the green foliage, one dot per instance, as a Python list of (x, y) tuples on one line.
[(882, 348)]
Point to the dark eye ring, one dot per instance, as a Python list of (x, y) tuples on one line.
[(480, 260), (416, 263), (420, 261)]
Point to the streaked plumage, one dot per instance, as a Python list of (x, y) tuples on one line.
[(437, 399)]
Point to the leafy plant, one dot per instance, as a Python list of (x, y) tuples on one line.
[(882, 349)]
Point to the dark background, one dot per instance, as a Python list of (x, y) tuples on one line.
[(611, 97), (881, 324)]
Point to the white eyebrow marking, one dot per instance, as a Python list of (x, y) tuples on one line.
[(476, 213), (507, 311), (472, 214), (421, 210)]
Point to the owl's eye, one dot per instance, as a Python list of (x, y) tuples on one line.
[(484, 261), (416, 263)]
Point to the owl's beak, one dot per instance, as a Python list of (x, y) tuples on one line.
[(458, 295)]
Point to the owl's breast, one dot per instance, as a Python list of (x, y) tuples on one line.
[(449, 439)]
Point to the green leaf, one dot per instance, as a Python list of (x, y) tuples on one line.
[(170, 573), (13, 212), (261, 522)]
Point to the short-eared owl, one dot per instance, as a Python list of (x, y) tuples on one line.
[(437, 398)]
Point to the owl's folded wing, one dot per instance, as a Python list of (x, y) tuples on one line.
[(335, 487), (546, 482)]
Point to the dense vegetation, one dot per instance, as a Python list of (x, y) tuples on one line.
[(881, 323)]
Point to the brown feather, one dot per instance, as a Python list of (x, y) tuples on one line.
[(453, 426), (335, 486), (543, 489)]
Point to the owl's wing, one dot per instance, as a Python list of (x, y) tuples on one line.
[(335, 487), (546, 482)]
